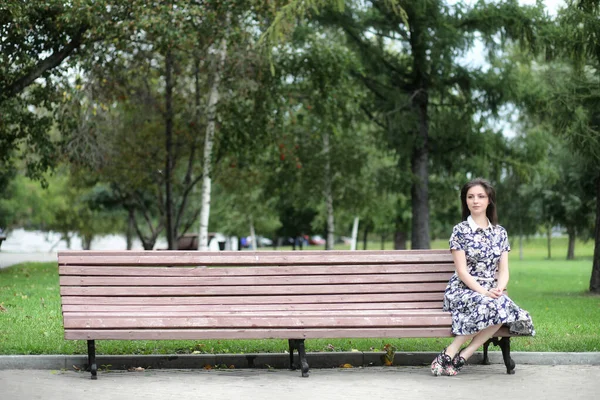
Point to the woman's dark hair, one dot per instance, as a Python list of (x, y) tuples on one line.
[(491, 193)]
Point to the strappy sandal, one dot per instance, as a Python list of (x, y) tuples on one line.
[(458, 361), (442, 365)]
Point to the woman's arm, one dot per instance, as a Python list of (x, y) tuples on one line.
[(460, 263), (503, 274)]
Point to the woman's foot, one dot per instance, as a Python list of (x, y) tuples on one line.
[(442, 365), (458, 361)]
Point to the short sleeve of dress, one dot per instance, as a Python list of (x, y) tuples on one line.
[(457, 239), (504, 245)]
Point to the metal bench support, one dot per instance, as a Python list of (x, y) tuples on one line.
[(504, 344), (298, 344), (92, 359)]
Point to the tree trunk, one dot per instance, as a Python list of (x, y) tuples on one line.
[(354, 234), (254, 244), (366, 236), (420, 200), (383, 241), (189, 181), (420, 152), (400, 226), (213, 99), (87, 242), (400, 240), (595, 279), (571, 247), (130, 229), (171, 236), (549, 240), (328, 194)]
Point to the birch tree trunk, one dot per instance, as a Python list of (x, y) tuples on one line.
[(252, 235), (328, 195), (213, 99), (354, 234)]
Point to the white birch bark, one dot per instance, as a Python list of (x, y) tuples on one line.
[(354, 234), (328, 195), (213, 99), (252, 235)]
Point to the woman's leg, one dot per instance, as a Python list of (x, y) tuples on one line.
[(478, 340), (442, 364), (456, 344)]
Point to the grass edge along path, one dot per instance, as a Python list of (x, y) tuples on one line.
[(566, 317)]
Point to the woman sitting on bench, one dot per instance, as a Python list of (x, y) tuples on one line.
[(474, 294)]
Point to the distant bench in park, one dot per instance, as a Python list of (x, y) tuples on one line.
[(294, 295)]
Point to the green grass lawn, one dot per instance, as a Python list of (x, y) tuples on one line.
[(566, 316)]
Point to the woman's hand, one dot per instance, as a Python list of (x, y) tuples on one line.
[(494, 293)]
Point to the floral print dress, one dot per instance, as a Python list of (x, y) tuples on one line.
[(471, 311)]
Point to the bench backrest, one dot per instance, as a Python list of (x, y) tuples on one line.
[(134, 284)]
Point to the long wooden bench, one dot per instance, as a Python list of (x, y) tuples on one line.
[(294, 295)]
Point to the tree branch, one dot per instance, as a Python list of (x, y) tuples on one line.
[(372, 117), (46, 64)]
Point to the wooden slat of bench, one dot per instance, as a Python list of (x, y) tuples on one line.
[(250, 290), (233, 300), (365, 269), (197, 334), (246, 322), (236, 253), (251, 281), (262, 313), (432, 305), (252, 258)]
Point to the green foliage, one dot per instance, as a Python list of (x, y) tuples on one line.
[(65, 206), (355, 72), (36, 39), (26, 205)]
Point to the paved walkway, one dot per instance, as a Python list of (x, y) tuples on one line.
[(531, 382)]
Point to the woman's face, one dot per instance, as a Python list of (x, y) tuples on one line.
[(477, 200)]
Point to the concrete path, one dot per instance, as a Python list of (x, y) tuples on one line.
[(531, 382)]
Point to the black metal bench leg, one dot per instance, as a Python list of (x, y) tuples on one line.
[(486, 358), (504, 344), (92, 359), (299, 345), (303, 362), (293, 346)]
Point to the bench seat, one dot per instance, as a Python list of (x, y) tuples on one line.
[(294, 295)]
